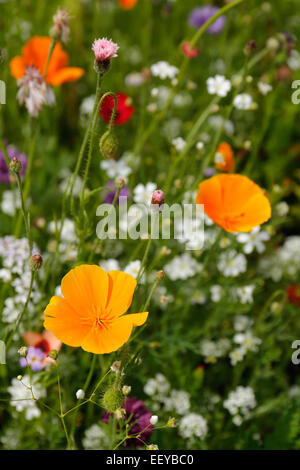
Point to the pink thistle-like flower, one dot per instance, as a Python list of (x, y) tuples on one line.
[(104, 49)]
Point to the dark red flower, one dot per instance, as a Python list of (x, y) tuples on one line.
[(139, 420), (124, 108), (293, 293)]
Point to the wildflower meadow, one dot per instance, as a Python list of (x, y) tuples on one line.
[(149, 225)]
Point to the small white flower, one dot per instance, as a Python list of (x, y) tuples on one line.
[(282, 208), (133, 268), (218, 85), (264, 88), (216, 293), (231, 263), (109, 265), (199, 145), (152, 447), (247, 341), (116, 168), (253, 240), (126, 389), (143, 193), (182, 267), (163, 70), (245, 294), (293, 60), (193, 425), (179, 143), (242, 322), (153, 420), (80, 394), (243, 101)]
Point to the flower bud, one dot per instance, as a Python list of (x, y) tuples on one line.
[(152, 447), (80, 394), (160, 275), (171, 423), (126, 389), (15, 165), (120, 413), (120, 183), (36, 262), (20, 377), (108, 145), (53, 354), (153, 420), (112, 400), (158, 197), (250, 47), (23, 351)]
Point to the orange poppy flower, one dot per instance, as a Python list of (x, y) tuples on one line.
[(127, 4), (91, 312), (224, 158), (35, 52), (234, 202)]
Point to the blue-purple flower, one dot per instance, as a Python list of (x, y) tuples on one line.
[(34, 359), (4, 171), (201, 15)]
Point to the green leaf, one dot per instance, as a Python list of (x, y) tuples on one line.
[(2, 352)]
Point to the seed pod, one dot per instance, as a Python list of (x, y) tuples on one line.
[(112, 399)]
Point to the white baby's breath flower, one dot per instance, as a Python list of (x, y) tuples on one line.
[(243, 101), (218, 85), (163, 70)]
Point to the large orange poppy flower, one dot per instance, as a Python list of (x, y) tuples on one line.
[(91, 312), (234, 202), (35, 52), (127, 4)]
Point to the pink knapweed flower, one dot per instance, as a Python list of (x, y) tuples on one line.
[(104, 49)]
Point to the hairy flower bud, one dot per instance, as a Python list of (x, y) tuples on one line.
[(15, 165), (108, 145), (36, 262), (112, 400), (120, 183)]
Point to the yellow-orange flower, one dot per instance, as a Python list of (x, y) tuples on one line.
[(91, 312), (127, 4), (224, 158), (234, 202), (35, 52)]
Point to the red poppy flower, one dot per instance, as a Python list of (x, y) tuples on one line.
[(293, 293), (124, 108)]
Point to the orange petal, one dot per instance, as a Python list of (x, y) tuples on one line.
[(17, 67), (66, 74), (121, 289), (68, 325), (105, 340), (86, 288)]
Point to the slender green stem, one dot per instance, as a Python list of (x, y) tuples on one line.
[(52, 45), (24, 212), (141, 270), (61, 408)]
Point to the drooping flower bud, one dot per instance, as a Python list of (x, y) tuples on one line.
[(158, 197), (61, 29), (108, 145), (36, 262), (15, 165)]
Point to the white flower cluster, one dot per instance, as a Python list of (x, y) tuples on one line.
[(285, 262), (239, 403), (163, 70), (95, 438), (182, 267), (193, 425), (21, 397), (16, 271)]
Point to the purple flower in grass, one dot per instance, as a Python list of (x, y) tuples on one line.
[(109, 196), (35, 359), (139, 420), (201, 15), (4, 171)]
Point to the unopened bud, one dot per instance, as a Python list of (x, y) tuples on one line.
[(15, 165), (126, 389), (36, 262), (158, 197), (53, 354), (120, 183), (20, 377), (80, 394), (160, 275), (112, 400), (108, 145), (153, 420), (250, 47), (23, 351), (120, 413), (171, 423)]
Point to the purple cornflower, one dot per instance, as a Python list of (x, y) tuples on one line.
[(139, 420), (35, 359), (124, 192), (4, 171), (201, 15)]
